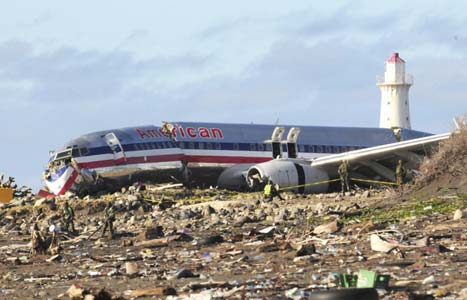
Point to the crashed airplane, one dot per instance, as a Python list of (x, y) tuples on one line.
[(237, 156), (244, 156)]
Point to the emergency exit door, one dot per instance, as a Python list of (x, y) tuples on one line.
[(114, 143)]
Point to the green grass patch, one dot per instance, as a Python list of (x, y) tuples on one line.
[(414, 209)]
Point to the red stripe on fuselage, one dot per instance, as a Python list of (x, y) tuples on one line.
[(68, 183), (177, 157), (226, 159)]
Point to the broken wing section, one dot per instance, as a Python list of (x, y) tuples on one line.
[(379, 162)]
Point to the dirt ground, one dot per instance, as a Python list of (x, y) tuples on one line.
[(213, 244), (225, 251)]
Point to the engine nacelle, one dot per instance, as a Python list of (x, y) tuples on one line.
[(288, 173)]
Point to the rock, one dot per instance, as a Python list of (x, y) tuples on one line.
[(211, 240), (458, 215), (327, 228), (429, 280), (306, 249), (75, 291), (158, 291), (151, 233), (208, 210), (365, 194), (185, 273), (242, 220), (131, 268)]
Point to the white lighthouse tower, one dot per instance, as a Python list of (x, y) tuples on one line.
[(395, 87)]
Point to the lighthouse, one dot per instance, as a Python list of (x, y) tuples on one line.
[(394, 86)]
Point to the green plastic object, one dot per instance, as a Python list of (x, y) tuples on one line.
[(366, 279), (348, 281)]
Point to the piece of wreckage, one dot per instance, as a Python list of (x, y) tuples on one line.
[(109, 159)]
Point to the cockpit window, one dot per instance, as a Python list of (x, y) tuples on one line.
[(63, 154)]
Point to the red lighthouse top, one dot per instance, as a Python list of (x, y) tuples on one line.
[(395, 58)]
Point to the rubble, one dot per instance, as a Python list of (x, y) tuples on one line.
[(175, 243)]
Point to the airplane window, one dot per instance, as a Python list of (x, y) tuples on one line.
[(301, 148), (261, 147), (319, 149), (236, 146), (181, 145), (218, 146), (328, 149), (200, 145), (191, 145), (268, 147), (334, 149), (253, 147), (84, 151), (208, 146), (75, 152)]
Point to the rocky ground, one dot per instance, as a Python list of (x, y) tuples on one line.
[(219, 244), (204, 244)]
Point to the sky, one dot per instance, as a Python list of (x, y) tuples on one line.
[(69, 68)]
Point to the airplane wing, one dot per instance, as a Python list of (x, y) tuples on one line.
[(380, 161)]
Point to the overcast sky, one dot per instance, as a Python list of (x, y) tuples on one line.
[(68, 68)]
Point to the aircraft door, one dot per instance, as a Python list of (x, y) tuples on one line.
[(116, 147)]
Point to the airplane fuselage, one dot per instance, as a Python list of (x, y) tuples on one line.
[(206, 148)]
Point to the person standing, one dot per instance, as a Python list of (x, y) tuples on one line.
[(344, 176), (109, 215), (37, 240), (68, 216), (400, 173)]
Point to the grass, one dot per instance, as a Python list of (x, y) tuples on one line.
[(416, 208)]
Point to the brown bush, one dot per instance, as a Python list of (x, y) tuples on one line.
[(449, 159)]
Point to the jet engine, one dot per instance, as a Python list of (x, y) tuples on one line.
[(295, 174)]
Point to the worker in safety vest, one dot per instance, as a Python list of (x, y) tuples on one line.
[(271, 190)]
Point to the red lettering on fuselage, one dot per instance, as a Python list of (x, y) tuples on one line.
[(204, 133), (200, 132), (191, 132), (216, 133), (142, 133)]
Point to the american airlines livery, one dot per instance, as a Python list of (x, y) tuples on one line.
[(237, 156), (243, 156)]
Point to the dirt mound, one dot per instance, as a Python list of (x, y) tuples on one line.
[(446, 169)]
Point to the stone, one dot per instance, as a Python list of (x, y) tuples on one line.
[(75, 291), (327, 228), (185, 273), (458, 215), (151, 233), (211, 240), (208, 210), (131, 268), (305, 249), (242, 220)]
